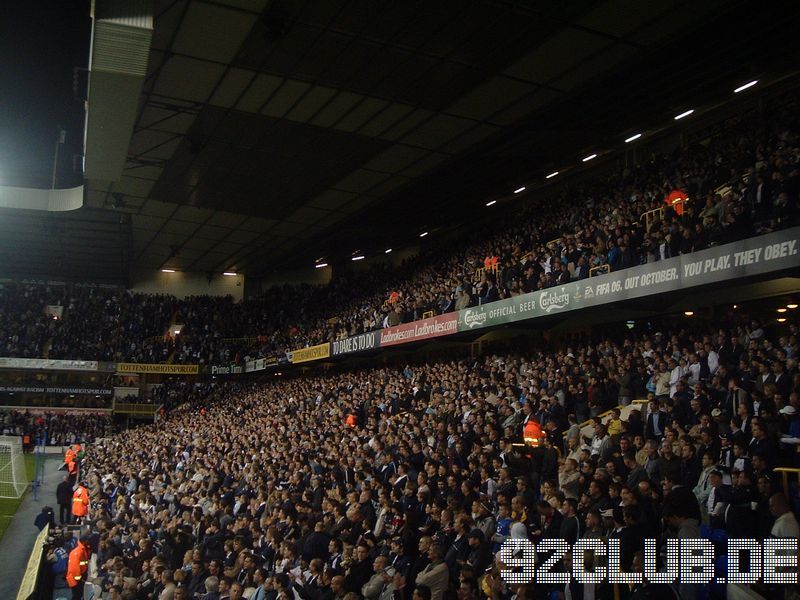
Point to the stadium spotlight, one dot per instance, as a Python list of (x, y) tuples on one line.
[(423, 234), (359, 257), (588, 158), (229, 274), (742, 88), (688, 313), (167, 270), (781, 320), (781, 310), (553, 174), (518, 190), (792, 306), (633, 138), (684, 114), (491, 202), (320, 265), (387, 251)]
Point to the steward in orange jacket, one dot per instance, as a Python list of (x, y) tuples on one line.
[(533, 434), (78, 566), (80, 501)]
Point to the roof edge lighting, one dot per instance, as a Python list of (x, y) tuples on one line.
[(742, 88)]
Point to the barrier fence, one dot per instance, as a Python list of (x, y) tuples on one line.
[(30, 579)]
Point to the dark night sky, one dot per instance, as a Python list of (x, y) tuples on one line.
[(41, 41)]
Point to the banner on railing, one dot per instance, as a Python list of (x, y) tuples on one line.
[(259, 364), (231, 369), (157, 368), (311, 353), (46, 364), (419, 330), (357, 343), (755, 256), (61, 391)]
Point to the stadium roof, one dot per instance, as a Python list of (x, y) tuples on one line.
[(271, 133)]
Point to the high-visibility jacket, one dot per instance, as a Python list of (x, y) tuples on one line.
[(69, 455), (78, 564), (532, 434), (72, 467), (676, 200), (80, 502)]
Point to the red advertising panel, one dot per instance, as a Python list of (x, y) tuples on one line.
[(420, 330)]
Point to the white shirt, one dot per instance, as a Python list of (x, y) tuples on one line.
[(786, 526), (694, 373), (674, 378), (713, 362)]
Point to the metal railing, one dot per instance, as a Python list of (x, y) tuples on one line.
[(650, 215), (135, 409), (785, 472)]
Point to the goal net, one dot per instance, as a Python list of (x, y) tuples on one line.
[(13, 479)]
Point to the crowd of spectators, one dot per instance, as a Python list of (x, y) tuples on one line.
[(175, 391), (400, 483), (742, 178), (24, 325), (57, 428)]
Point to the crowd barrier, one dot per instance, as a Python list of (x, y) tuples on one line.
[(30, 579)]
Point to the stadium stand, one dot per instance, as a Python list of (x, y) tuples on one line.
[(741, 181), (381, 436), (375, 482)]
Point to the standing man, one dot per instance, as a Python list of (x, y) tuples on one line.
[(77, 567), (80, 502), (64, 499)]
